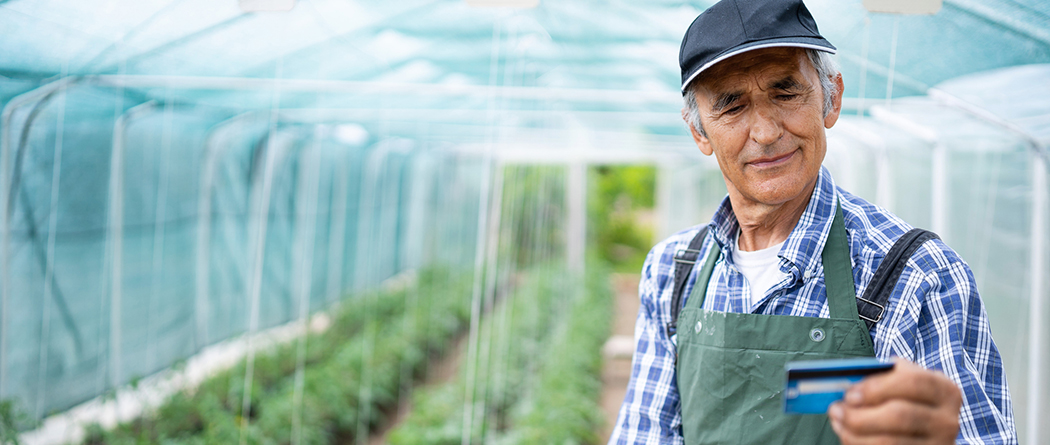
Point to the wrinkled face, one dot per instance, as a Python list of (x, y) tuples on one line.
[(763, 115)]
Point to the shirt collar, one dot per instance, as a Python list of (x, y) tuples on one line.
[(802, 249)]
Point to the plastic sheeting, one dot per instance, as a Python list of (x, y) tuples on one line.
[(168, 169), (155, 215)]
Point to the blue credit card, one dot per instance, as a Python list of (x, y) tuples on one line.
[(812, 386)]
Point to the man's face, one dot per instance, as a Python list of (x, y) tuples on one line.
[(763, 115)]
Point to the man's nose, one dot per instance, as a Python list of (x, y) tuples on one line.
[(766, 127)]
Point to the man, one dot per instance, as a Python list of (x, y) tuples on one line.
[(782, 262)]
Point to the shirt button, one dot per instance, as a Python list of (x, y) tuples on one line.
[(807, 275), (698, 327)]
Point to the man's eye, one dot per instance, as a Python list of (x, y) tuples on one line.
[(787, 96), (734, 110)]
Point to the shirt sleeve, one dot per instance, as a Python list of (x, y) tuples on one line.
[(650, 413), (939, 322)]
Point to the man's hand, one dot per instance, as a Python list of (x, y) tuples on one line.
[(908, 405)]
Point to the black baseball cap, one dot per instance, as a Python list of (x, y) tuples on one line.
[(731, 27)]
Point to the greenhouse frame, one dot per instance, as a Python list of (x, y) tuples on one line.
[(193, 191)]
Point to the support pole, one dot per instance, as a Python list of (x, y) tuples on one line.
[(484, 207), (203, 277), (6, 199), (159, 223), (884, 179), (260, 196), (664, 198), (303, 255), (576, 235), (370, 215), (49, 270), (116, 237), (939, 187), (1036, 322), (337, 245), (492, 275), (213, 148)]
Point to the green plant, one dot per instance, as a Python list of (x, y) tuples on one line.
[(620, 197), (536, 375), (518, 330), (533, 197), (348, 376), (12, 420), (565, 401)]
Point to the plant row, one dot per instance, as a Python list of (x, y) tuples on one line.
[(563, 407), (332, 388), (535, 380)]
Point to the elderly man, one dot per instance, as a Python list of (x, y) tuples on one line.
[(780, 267)]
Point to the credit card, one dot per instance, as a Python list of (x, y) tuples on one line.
[(813, 385)]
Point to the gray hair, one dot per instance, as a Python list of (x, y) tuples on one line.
[(826, 68)]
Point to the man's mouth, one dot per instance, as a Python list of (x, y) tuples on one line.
[(773, 161)]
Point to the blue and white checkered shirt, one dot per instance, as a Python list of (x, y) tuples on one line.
[(938, 321)]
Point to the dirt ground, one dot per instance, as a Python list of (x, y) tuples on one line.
[(438, 373), (616, 369)]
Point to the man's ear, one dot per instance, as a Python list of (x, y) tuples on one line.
[(836, 103), (701, 140)]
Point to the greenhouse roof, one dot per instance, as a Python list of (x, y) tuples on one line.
[(588, 54)]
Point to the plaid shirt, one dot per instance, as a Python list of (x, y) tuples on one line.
[(937, 320)]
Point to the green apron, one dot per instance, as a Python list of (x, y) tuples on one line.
[(730, 367)]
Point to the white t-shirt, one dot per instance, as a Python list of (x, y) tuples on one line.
[(761, 268)]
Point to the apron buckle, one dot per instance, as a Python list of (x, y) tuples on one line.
[(680, 256), (882, 310)]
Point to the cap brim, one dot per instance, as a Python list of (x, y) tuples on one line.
[(791, 42)]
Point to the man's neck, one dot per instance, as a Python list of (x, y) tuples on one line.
[(763, 225)]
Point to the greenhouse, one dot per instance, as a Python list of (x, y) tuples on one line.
[(424, 221)]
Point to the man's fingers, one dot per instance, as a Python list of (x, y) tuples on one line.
[(896, 418), (906, 381), (849, 438)]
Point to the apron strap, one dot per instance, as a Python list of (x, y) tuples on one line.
[(877, 296), (838, 271), (838, 275), (704, 277), (684, 261)]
